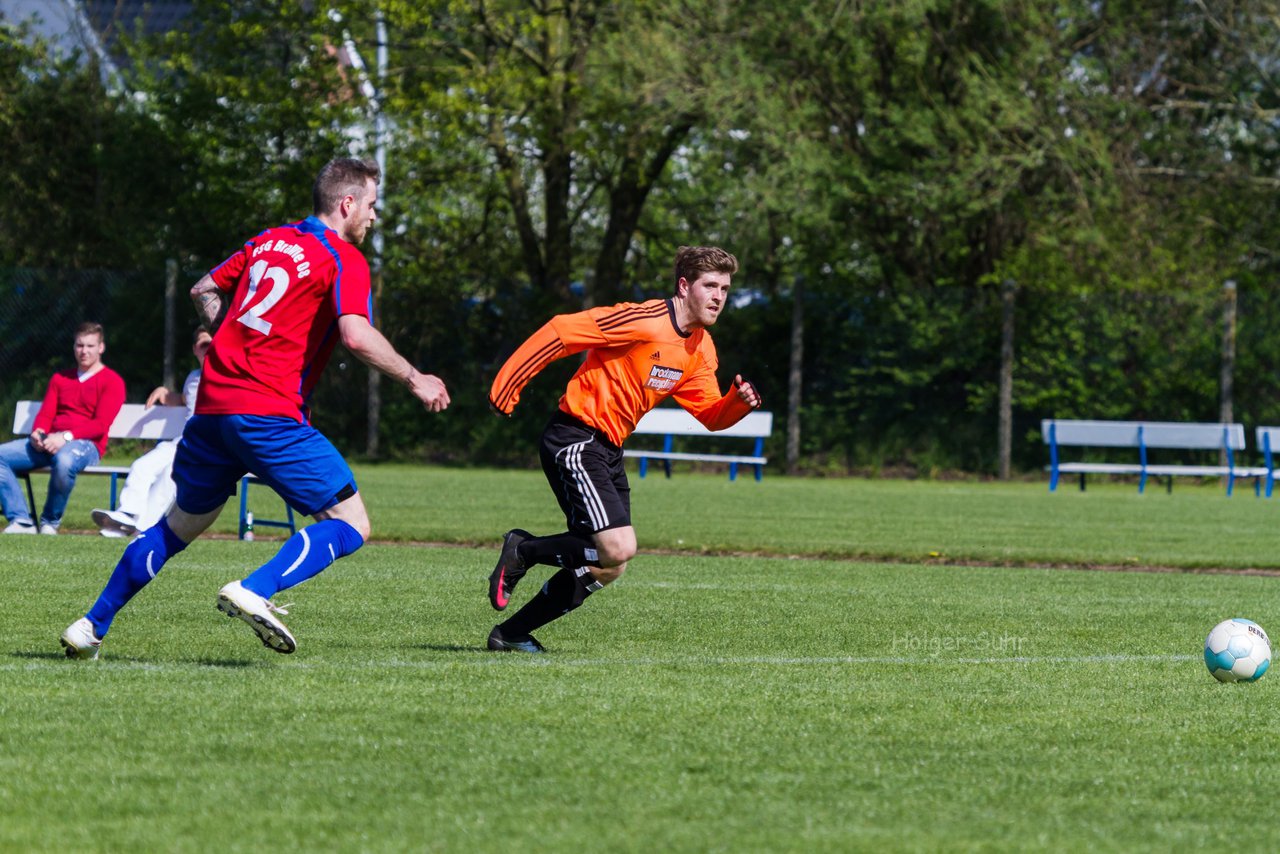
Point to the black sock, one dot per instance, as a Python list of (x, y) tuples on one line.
[(558, 550), (563, 592)]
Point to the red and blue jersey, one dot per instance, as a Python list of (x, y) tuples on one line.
[(286, 288)]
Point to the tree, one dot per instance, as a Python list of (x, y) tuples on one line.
[(81, 240), (73, 153), (256, 98), (581, 106), (954, 150)]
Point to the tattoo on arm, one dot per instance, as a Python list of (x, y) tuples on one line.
[(211, 307)]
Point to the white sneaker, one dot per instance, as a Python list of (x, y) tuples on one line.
[(46, 528), (119, 523), (79, 641), (235, 601), (16, 527)]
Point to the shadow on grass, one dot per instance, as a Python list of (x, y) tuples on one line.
[(239, 663), (451, 647), (31, 655), (37, 656)]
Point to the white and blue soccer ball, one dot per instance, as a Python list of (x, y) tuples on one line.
[(1237, 650)]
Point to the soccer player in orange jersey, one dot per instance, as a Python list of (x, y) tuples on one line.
[(638, 354)]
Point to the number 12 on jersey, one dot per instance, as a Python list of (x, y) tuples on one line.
[(279, 280)]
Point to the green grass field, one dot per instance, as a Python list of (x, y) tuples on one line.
[(793, 665)]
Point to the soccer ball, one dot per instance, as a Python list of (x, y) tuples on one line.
[(1237, 650)]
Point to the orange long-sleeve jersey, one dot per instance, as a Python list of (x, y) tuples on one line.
[(637, 357)]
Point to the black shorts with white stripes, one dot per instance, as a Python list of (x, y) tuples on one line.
[(586, 473)]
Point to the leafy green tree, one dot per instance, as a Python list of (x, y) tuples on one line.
[(82, 239), (1181, 94), (75, 153), (580, 108), (945, 148), (880, 170), (255, 98)]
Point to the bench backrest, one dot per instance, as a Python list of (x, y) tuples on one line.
[(1268, 438), (1154, 434), (134, 421), (671, 421)]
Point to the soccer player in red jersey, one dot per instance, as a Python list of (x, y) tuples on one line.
[(70, 434), (638, 354), (276, 308)]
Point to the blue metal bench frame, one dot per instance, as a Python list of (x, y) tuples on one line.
[(288, 522)]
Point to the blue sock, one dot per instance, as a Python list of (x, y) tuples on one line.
[(141, 560), (307, 553)]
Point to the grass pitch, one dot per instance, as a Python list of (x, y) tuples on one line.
[(822, 679)]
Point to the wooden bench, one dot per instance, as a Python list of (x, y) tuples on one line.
[(669, 423), (1146, 435), (136, 421)]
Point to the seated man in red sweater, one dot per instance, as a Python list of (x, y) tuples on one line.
[(70, 433)]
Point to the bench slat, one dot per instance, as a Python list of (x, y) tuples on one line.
[(1155, 434), (1205, 471), (134, 421), (710, 458), (1100, 468), (1163, 470)]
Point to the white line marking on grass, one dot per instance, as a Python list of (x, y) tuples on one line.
[(668, 661), (822, 661), (745, 588)]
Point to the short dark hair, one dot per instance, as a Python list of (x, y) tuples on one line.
[(342, 176), (90, 328), (693, 261)]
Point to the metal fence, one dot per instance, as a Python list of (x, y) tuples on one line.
[(41, 308)]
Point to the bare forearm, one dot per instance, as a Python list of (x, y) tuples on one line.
[(372, 348)]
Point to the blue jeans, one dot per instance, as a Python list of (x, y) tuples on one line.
[(19, 457)]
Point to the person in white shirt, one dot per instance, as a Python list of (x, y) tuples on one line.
[(149, 490)]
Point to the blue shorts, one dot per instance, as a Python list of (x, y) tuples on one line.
[(293, 459)]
